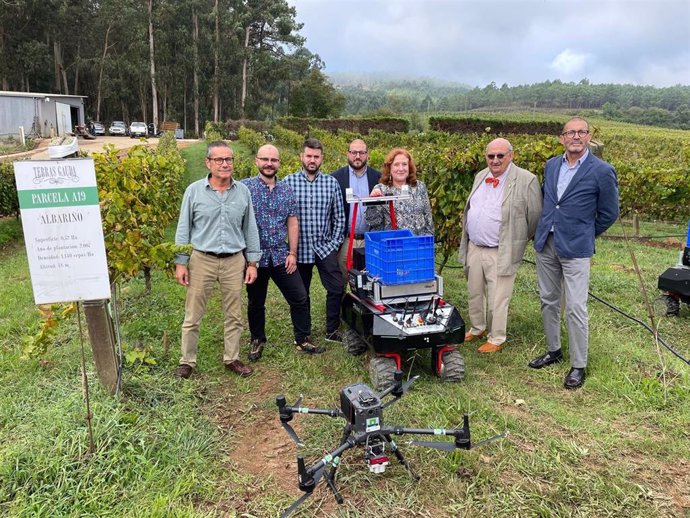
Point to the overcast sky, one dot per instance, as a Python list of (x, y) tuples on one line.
[(510, 41)]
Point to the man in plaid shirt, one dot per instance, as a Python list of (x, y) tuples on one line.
[(321, 230)]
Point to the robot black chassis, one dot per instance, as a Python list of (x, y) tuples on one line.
[(393, 320), (362, 408)]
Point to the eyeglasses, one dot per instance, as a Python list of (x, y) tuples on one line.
[(572, 133), (220, 159), (500, 156), (266, 159), (358, 153)]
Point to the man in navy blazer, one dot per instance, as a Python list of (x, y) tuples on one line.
[(580, 203), (361, 178)]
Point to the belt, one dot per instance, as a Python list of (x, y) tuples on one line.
[(219, 256), (357, 236)]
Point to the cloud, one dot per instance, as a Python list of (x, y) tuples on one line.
[(504, 41), (569, 63)]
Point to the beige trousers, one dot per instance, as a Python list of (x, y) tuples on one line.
[(488, 293), (204, 271), (342, 258)]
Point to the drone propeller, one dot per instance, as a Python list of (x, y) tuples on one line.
[(450, 446), (491, 439), (286, 416), (438, 445), (295, 505), (293, 435), (398, 391), (307, 493)]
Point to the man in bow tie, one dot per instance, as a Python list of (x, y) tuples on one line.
[(500, 217)]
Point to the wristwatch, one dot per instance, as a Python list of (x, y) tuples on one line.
[(251, 263)]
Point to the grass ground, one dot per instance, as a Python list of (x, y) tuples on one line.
[(212, 445)]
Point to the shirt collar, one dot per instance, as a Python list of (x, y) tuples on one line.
[(208, 185), (579, 161), (503, 176), (306, 177), (352, 171)]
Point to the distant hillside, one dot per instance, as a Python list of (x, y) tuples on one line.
[(388, 80), (372, 93)]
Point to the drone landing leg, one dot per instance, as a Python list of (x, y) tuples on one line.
[(400, 456), (330, 480)]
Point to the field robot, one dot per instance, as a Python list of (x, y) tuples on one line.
[(395, 304), (675, 282)]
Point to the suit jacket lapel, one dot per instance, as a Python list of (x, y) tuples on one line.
[(581, 172), (551, 180), (478, 181), (510, 184)]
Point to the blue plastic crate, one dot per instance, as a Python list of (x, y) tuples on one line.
[(398, 257)]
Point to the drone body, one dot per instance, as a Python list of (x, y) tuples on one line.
[(362, 409)]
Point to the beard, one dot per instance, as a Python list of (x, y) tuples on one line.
[(310, 168), (353, 164), (268, 171)]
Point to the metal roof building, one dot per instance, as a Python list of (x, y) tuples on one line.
[(41, 115)]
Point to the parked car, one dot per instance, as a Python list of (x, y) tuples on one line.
[(98, 129), (152, 130), (138, 129), (118, 128)]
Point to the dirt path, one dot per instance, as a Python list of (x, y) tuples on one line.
[(95, 145)]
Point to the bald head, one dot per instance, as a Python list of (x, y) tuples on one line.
[(268, 148), (268, 161), (499, 154)]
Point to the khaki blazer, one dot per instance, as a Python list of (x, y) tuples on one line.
[(520, 212)]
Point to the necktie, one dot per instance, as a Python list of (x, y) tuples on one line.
[(492, 180)]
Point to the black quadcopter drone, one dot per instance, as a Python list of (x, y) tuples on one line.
[(362, 409)]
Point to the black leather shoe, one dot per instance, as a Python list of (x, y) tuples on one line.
[(546, 359), (256, 350), (574, 379)]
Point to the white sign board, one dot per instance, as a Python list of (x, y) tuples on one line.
[(58, 202)]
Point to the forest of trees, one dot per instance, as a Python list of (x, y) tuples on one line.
[(153, 60), (669, 107), (193, 61)]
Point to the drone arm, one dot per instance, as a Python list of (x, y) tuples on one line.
[(286, 412), (462, 435), (332, 412), (348, 443)]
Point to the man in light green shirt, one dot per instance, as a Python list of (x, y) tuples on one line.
[(217, 219)]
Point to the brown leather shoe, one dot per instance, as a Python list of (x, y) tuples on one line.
[(184, 371), (490, 347), (470, 337), (240, 368)]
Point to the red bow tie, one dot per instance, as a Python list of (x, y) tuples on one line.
[(492, 180)]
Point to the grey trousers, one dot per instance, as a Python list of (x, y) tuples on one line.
[(553, 274)]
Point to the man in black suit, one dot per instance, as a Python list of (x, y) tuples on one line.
[(361, 178)]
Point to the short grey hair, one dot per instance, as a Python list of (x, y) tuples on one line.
[(216, 144)]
